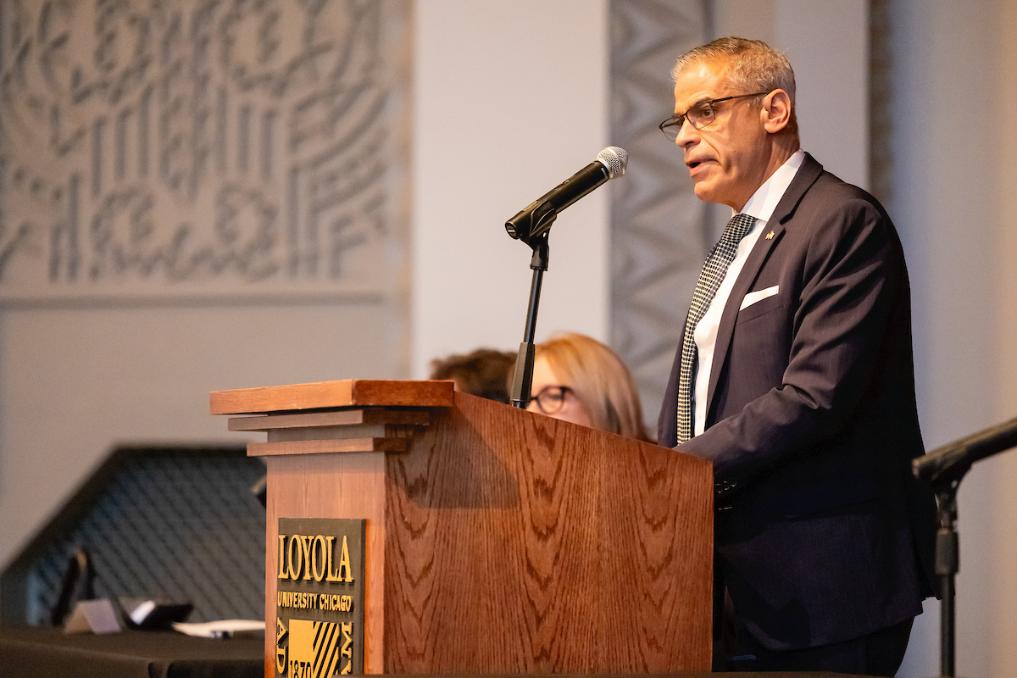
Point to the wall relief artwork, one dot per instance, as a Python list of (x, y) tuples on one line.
[(202, 148), (660, 232)]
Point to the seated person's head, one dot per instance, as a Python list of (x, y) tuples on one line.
[(579, 379), (483, 372)]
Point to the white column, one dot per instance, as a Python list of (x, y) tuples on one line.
[(510, 100)]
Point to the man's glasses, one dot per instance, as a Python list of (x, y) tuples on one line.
[(550, 399), (699, 116)]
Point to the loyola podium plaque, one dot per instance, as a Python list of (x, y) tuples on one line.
[(319, 628)]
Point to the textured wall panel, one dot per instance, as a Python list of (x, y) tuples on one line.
[(659, 232), (179, 523), (201, 147), (881, 159)]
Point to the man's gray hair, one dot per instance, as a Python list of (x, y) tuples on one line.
[(755, 66)]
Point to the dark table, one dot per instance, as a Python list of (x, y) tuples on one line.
[(34, 652)]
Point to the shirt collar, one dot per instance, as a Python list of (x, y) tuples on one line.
[(764, 201)]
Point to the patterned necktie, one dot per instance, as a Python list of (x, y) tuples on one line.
[(710, 277)]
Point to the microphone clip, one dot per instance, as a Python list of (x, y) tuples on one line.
[(532, 223)]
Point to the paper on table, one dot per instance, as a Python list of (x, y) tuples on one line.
[(93, 616), (222, 628)]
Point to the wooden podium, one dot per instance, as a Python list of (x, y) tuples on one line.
[(496, 540)]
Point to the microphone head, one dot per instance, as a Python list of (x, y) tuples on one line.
[(614, 159)]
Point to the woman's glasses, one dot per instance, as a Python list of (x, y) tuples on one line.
[(550, 399)]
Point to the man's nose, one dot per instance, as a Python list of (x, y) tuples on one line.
[(687, 134)]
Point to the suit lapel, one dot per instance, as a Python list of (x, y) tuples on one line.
[(806, 176)]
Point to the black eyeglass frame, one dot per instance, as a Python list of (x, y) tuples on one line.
[(564, 391), (676, 121)]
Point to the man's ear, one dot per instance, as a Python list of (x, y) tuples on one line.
[(776, 112)]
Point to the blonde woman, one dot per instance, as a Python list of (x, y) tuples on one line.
[(579, 379)]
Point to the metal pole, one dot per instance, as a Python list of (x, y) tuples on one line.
[(947, 566), (522, 377)]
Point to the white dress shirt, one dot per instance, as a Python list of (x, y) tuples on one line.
[(761, 206)]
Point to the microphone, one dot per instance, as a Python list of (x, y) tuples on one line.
[(952, 461), (536, 218)]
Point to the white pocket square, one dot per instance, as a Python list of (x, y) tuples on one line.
[(758, 295)]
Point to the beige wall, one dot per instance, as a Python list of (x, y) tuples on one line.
[(1003, 638), (510, 100), (827, 43), (77, 381), (953, 173)]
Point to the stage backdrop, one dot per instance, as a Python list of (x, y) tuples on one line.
[(199, 149), (194, 195), (660, 231)]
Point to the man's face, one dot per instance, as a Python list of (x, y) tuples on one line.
[(727, 159)]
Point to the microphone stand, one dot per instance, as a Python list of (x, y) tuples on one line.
[(943, 470), (947, 566), (522, 377)]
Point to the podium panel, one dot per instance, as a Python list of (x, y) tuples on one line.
[(495, 540)]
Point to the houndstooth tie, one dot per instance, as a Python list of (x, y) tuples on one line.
[(710, 277)]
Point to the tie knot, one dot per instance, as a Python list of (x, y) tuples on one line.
[(737, 228)]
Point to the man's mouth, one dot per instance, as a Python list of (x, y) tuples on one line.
[(694, 164)]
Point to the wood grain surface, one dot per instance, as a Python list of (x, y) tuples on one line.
[(520, 544), (331, 394), (349, 417), (331, 486), (499, 541), (344, 446)]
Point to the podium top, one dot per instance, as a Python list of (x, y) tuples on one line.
[(332, 394)]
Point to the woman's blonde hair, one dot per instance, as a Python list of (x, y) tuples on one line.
[(599, 379)]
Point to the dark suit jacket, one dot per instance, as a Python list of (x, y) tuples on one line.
[(822, 535)]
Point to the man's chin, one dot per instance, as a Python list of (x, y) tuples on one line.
[(708, 191), (704, 191)]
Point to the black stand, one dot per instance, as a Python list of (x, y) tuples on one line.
[(943, 470), (947, 566), (522, 377)]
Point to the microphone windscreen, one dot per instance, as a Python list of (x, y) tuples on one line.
[(614, 159)]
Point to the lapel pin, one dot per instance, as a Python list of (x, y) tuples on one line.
[(769, 236)]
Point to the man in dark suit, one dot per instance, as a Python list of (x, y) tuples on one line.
[(795, 377)]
